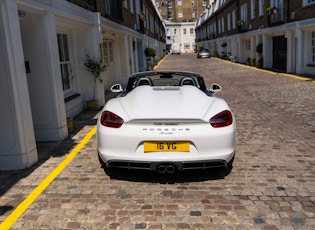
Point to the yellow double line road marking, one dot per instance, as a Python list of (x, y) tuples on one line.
[(22, 207)]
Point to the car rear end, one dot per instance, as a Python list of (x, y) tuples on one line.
[(181, 133)]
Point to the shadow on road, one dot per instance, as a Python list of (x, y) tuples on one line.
[(166, 178), (46, 151)]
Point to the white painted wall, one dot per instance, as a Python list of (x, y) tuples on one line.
[(17, 139), (48, 110)]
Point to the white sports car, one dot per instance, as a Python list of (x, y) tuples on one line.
[(166, 121)]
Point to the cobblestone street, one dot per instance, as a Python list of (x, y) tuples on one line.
[(271, 186)]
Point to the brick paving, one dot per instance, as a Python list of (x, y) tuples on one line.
[(271, 186)]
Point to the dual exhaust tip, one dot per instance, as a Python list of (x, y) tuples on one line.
[(166, 168)]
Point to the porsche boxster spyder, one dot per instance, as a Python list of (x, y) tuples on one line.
[(166, 121)]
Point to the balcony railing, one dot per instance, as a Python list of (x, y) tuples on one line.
[(87, 4)]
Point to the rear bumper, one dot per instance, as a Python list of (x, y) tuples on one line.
[(179, 165)]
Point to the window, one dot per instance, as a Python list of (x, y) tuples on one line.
[(184, 31), (192, 2), (244, 13), (261, 7), (175, 31), (308, 2), (169, 4), (204, 2), (131, 6), (252, 9), (229, 21), (186, 46), (107, 52), (193, 14), (65, 64), (191, 30), (233, 19), (180, 14), (114, 9), (179, 2), (169, 15), (222, 28), (313, 47)]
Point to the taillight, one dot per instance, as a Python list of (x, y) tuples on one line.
[(111, 120), (222, 119)]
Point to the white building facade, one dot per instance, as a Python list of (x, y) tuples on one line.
[(182, 33), (43, 80)]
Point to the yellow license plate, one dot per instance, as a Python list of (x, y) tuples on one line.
[(166, 146)]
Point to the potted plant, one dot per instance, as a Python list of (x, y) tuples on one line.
[(240, 22), (142, 15), (268, 10), (232, 58), (248, 61), (70, 124), (96, 67), (149, 52), (274, 10), (224, 44), (212, 35), (260, 62), (253, 61), (259, 48)]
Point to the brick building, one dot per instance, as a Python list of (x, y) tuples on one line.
[(180, 17), (43, 80), (181, 10), (284, 29)]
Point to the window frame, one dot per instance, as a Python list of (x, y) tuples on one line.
[(66, 64), (261, 7), (107, 52), (229, 21), (308, 2), (233, 19), (252, 9)]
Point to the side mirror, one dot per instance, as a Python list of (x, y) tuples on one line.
[(215, 88), (117, 88)]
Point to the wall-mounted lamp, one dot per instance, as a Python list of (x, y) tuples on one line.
[(260, 28), (292, 14)]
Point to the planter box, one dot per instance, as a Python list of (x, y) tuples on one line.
[(70, 125), (92, 105)]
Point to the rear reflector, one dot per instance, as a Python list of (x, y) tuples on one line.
[(111, 120), (222, 119)]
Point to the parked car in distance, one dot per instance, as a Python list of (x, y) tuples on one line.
[(166, 121), (203, 53)]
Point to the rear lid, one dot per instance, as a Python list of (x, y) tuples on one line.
[(167, 102)]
